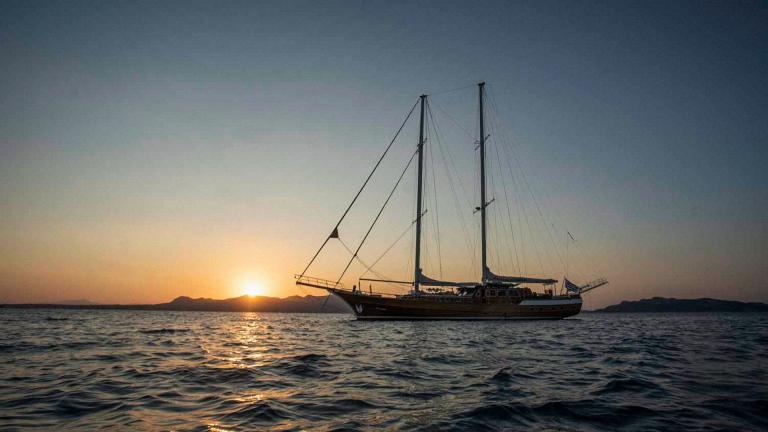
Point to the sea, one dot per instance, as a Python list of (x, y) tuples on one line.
[(85, 370)]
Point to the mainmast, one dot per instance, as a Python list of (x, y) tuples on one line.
[(420, 150), (483, 202)]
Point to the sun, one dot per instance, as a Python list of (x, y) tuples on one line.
[(252, 288)]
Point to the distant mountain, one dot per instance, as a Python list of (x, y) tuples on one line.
[(661, 304), (304, 304), (80, 302), (295, 304)]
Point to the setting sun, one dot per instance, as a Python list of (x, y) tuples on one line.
[(252, 288)]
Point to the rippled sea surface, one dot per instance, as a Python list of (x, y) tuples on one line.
[(142, 370)]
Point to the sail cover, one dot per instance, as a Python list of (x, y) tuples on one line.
[(424, 280), (488, 276)]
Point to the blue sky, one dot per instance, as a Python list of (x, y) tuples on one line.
[(153, 149)]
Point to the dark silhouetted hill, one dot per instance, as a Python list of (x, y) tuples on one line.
[(78, 302), (661, 304), (294, 304)]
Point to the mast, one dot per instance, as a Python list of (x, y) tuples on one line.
[(482, 186), (420, 150)]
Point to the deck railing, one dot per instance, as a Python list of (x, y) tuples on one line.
[(592, 285), (317, 282), (325, 284)]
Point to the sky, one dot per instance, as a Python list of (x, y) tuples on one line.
[(156, 149)]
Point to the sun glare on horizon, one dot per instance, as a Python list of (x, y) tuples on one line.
[(253, 288)]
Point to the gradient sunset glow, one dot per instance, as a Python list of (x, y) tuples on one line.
[(207, 150)]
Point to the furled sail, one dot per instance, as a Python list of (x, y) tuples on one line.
[(488, 276), (424, 280)]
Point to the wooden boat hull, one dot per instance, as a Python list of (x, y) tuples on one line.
[(373, 307)]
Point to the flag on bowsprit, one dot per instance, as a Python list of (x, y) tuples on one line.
[(571, 287)]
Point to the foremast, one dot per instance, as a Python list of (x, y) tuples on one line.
[(483, 202), (419, 200)]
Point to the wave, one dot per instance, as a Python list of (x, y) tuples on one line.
[(198, 371), (636, 385), (164, 331), (311, 357), (753, 412), (260, 412), (81, 403), (565, 413), (508, 375)]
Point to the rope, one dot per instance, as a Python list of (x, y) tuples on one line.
[(335, 228), (452, 90), (376, 219), (452, 119), (448, 164), (437, 208), (509, 212), (533, 196), (369, 268), (387, 251)]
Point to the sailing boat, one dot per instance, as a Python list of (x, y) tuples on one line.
[(495, 297)]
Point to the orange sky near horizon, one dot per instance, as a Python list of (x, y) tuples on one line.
[(127, 261), (168, 149)]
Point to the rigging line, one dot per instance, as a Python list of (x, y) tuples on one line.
[(457, 205), (412, 246), (494, 129), (425, 226), (506, 199), (505, 261), (521, 218), (519, 209), (407, 230), (546, 198), (451, 90), (498, 217), (504, 140), (533, 196), (449, 175), (518, 220), (490, 245), (489, 190), (322, 308), (360, 260), (367, 267), (434, 190), (451, 118), (522, 203), (381, 158), (378, 215), (523, 210), (454, 195), (494, 215)]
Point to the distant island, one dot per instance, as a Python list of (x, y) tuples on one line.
[(78, 302), (661, 304), (293, 304)]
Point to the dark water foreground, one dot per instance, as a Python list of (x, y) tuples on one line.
[(128, 370)]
